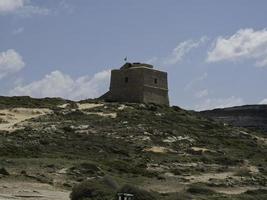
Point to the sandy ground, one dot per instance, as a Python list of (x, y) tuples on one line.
[(235, 190), (84, 106), (15, 116), (158, 149), (169, 186), (172, 139), (205, 177), (200, 149), (102, 114), (122, 107), (173, 184), (178, 183), (11, 189), (64, 105)]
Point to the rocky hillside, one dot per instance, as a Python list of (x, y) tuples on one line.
[(50, 145), (253, 117)]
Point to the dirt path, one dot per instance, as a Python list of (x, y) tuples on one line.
[(234, 190), (164, 186), (172, 185), (205, 177), (21, 190)]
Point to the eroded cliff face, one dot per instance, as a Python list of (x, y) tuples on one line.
[(253, 117)]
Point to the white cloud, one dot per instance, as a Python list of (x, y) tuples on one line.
[(264, 101), (33, 10), (21, 7), (178, 53), (58, 84), (182, 49), (195, 81), (244, 44), (212, 103), (202, 93), (10, 62), (10, 5)]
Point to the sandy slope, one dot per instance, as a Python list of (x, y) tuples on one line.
[(21, 189), (84, 106), (11, 117)]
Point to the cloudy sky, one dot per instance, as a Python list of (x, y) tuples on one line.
[(214, 51)]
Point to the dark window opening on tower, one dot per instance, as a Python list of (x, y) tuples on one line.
[(126, 80), (155, 81)]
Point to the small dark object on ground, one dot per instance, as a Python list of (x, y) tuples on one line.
[(138, 193), (23, 172)]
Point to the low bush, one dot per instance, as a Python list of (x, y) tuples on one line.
[(199, 189), (92, 189), (255, 192)]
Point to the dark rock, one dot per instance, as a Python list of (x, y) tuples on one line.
[(3, 171), (68, 185), (23, 172)]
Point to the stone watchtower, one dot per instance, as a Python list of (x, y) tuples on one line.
[(138, 83)]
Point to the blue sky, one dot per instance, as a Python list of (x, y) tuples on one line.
[(215, 52)]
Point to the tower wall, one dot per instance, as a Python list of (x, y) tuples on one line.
[(126, 91), (139, 85), (155, 87)]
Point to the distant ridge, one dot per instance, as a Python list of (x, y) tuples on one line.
[(253, 117)]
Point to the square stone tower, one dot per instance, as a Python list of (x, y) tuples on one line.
[(138, 83)]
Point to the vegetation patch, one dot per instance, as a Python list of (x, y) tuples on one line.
[(92, 189)]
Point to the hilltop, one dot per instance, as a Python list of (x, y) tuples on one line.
[(53, 144)]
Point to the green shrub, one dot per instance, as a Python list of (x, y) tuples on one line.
[(227, 161), (255, 192), (177, 172), (92, 189), (199, 189), (89, 166), (133, 168), (28, 102)]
